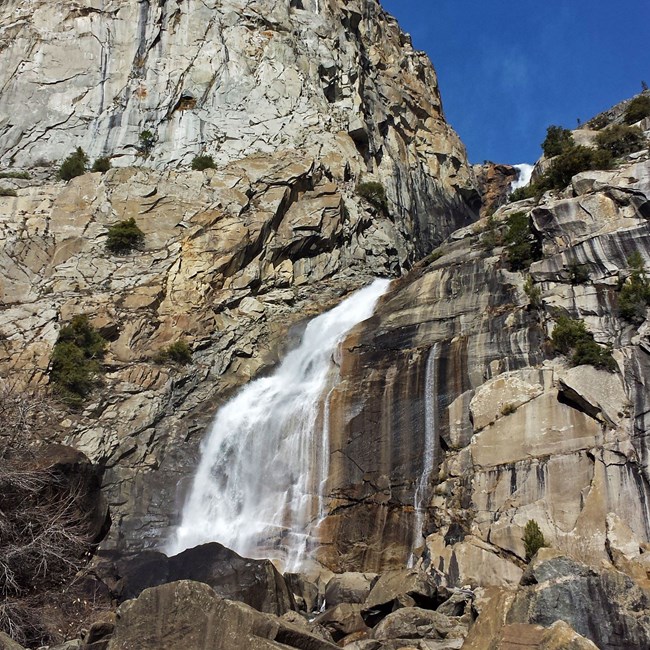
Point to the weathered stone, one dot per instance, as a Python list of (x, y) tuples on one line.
[(349, 587), (255, 582), (397, 589), (502, 395), (190, 615), (494, 183), (304, 590), (7, 643), (416, 623), (470, 562), (342, 620), (317, 630), (604, 606), (598, 392)]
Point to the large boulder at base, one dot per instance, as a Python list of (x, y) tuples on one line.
[(603, 605), (312, 627), (191, 616), (351, 587), (417, 623), (307, 595), (402, 588), (490, 631), (254, 582), (342, 620)]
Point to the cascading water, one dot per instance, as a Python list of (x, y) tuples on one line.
[(430, 455), (258, 487), (523, 177)]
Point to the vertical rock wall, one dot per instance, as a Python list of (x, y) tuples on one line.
[(525, 436), (297, 102), (230, 79)]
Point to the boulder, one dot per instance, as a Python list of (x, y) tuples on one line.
[(401, 588), (311, 626), (305, 592), (558, 636), (603, 605), (351, 587), (342, 620), (191, 616), (254, 582), (417, 623), (459, 603)]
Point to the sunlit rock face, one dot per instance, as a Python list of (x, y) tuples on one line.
[(297, 103), (230, 79), (523, 436)]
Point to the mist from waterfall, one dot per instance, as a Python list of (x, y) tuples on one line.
[(429, 457), (259, 486)]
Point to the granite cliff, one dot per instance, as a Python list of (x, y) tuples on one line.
[(455, 421), (297, 103)]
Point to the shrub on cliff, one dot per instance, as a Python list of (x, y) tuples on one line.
[(571, 162), (74, 165), (124, 236), (563, 168), (571, 337), (620, 139), (522, 247), (374, 192), (557, 141), (178, 352), (102, 164), (638, 109), (76, 360), (634, 298), (146, 141), (533, 539), (8, 191), (201, 163)]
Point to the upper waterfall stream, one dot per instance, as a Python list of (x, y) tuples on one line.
[(258, 487)]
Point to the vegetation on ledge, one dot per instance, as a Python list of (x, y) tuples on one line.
[(571, 337), (76, 360), (124, 237)]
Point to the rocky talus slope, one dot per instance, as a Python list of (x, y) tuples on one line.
[(297, 103)]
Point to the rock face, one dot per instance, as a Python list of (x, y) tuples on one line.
[(190, 615), (455, 421), (230, 79), (461, 341), (254, 582), (562, 603), (494, 183), (297, 103)]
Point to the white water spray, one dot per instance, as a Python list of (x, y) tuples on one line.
[(258, 487), (430, 455), (523, 178)]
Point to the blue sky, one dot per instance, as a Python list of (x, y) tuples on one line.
[(509, 69)]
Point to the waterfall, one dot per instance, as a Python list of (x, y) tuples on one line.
[(429, 457), (523, 178), (264, 462)]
